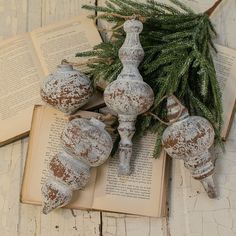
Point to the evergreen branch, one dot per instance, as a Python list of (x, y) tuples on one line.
[(183, 6), (110, 5), (177, 44), (165, 7), (202, 107), (178, 35)]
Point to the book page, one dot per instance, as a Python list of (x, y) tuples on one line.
[(20, 75), (140, 193), (44, 143), (26, 62), (225, 65), (64, 40)]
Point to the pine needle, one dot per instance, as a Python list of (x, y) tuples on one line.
[(177, 44)]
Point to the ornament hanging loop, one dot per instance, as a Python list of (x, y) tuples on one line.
[(133, 17)]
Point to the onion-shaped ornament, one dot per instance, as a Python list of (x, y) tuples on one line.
[(66, 89), (129, 95), (189, 138), (85, 144)]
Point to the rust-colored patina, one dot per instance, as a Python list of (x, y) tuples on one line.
[(189, 138), (129, 95), (85, 144), (66, 89)]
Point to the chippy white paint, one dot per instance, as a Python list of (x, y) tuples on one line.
[(189, 138), (85, 144), (129, 96), (66, 89), (191, 212)]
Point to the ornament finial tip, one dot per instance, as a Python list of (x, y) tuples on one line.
[(209, 186), (46, 210)]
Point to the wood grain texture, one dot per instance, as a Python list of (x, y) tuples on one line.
[(190, 213), (13, 17), (19, 16), (10, 173), (55, 10), (34, 14), (129, 225)]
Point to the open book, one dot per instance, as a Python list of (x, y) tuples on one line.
[(142, 193), (225, 64), (26, 59)]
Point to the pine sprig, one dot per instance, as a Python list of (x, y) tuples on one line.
[(177, 44)]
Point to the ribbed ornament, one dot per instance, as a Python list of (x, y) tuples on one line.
[(85, 144), (129, 95), (189, 138)]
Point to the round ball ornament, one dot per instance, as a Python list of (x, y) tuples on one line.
[(66, 89), (189, 138), (129, 95), (85, 144)]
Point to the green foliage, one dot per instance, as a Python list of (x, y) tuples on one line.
[(177, 44)]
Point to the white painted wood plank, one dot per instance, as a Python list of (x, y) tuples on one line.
[(10, 174), (192, 213), (13, 20), (201, 215), (128, 225), (34, 14), (176, 220), (13, 17), (61, 222), (16, 218), (70, 222), (54, 10)]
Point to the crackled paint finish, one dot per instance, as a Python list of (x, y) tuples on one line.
[(55, 194), (66, 89), (87, 141), (66, 169), (85, 144), (129, 96), (189, 139)]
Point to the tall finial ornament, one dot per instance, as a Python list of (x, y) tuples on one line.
[(189, 138), (129, 96)]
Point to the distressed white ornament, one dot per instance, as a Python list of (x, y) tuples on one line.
[(129, 95), (66, 89), (189, 139), (85, 144)]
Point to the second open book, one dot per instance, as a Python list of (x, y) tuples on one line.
[(142, 193)]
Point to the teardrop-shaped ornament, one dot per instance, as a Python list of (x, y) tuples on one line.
[(189, 138), (85, 144), (129, 95)]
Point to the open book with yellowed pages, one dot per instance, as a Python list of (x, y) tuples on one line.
[(144, 192), (225, 65), (25, 61)]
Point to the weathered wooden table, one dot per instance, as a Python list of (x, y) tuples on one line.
[(191, 212)]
